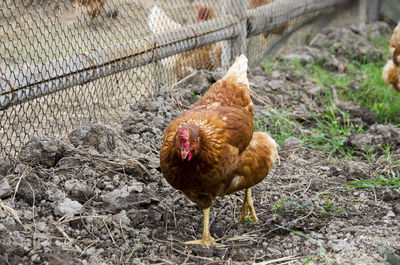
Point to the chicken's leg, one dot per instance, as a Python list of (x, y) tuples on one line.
[(248, 205), (206, 238)]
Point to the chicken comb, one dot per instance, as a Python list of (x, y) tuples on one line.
[(183, 132)]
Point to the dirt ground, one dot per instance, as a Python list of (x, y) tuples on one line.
[(98, 197)]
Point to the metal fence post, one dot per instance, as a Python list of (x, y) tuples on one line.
[(235, 46), (369, 11), (363, 12)]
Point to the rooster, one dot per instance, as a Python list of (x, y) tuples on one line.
[(211, 150), (207, 57)]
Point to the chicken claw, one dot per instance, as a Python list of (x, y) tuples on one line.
[(206, 238), (248, 205)]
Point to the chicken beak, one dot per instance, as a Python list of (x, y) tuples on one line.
[(184, 154)]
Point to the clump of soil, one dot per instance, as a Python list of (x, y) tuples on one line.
[(99, 197)]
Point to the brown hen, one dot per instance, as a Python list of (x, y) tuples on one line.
[(211, 150)]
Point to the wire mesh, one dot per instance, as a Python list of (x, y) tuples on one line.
[(67, 62)]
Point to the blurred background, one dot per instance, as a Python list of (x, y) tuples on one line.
[(64, 63)]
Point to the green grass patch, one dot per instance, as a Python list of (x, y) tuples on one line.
[(330, 132), (380, 182), (322, 253), (289, 208), (361, 83), (327, 132), (279, 125)]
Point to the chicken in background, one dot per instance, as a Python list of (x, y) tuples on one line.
[(204, 13), (394, 41), (207, 57), (95, 7), (211, 150), (391, 71), (277, 31)]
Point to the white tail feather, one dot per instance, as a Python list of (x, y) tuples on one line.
[(159, 22), (239, 70)]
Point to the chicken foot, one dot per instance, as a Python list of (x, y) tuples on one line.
[(206, 238), (248, 205)]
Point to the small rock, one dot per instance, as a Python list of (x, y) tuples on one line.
[(27, 214), (116, 180), (100, 137), (276, 74), (90, 251), (5, 168), (340, 245), (41, 226), (68, 207), (275, 252), (302, 162), (78, 190), (357, 110), (56, 179), (135, 186), (9, 222), (144, 239), (291, 143), (345, 42), (121, 218), (119, 198), (43, 150), (358, 170), (265, 245), (5, 188), (388, 195), (154, 163), (314, 90), (89, 173), (35, 257), (31, 189), (325, 168), (303, 58), (54, 195), (198, 83), (276, 84), (45, 244), (390, 214)]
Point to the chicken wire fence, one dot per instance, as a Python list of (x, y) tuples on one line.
[(68, 62)]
